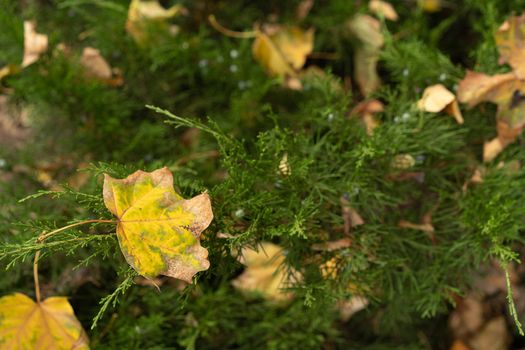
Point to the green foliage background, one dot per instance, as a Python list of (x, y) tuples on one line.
[(212, 83)]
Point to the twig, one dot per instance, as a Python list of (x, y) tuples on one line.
[(231, 33)]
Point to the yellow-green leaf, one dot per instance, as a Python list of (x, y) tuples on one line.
[(158, 230), (50, 324)]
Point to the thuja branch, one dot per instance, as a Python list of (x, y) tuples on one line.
[(45, 235)]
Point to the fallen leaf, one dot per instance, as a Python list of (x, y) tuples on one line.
[(437, 98), (96, 66), (50, 324), (510, 39), (158, 231), (403, 162), (383, 9), (459, 345), (144, 14), (422, 227), (265, 273), (493, 336), (284, 167), (351, 217), (283, 52), (367, 110), (34, 44), (504, 90), (332, 245), (347, 308), (303, 9), (366, 30)]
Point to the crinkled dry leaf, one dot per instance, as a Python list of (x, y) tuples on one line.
[(384, 9), (437, 98), (144, 13), (265, 273), (283, 52), (332, 245), (351, 217), (50, 324), (510, 39), (348, 308), (505, 90), (366, 111), (158, 230), (34, 44), (95, 65), (367, 31)]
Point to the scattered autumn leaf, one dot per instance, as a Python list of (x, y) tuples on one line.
[(403, 162), (265, 273), (282, 51), (366, 110), (504, 90), (35, 44), (347, 308), (332, 245), (351, 217), (383, 9), (510, 39), (437, 98), (143, 14), (50, 324), (367, 31), (158, 231), (284, 167)]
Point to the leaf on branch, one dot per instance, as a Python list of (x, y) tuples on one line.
[(50, 324), (35, 44), (144, 14), (437, 98), (282, 51), (158, 230), (367, 32), (265, 273)]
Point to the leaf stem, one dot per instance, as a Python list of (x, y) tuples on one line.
[(45, 235), (231, 33)]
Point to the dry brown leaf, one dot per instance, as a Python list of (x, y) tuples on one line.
[(459, 345), (351, 217), (437, 98), (426, 227), (366, 30), (282, 51), (34, 44), (303, 9), (383, 9), (366, 111), (95, 65), (505, 90), (332, 245), (510, 39), (347, 308), (265, 273), (493, 336)]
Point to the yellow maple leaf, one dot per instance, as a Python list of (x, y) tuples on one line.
[(143, 14), (265, 274), (283, 52), (158, 230), (50, 324)]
